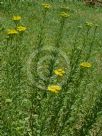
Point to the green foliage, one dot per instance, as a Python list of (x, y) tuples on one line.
[(59, 35)]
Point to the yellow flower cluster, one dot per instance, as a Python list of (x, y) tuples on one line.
[(18, 28), (46, 6), (54, 88), (12, 32), (16, 18), (59, 72), (64, 14), (21, 28), (85, 65)]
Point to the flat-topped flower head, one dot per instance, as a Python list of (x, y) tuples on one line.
[(16, 18), (12, 32), (21, 28), (89, 24), (59, 72), (85, 65), (54, 88), (64, 14), (46, 6)]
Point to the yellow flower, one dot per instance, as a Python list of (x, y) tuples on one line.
[(21, 28), (54, 88), (59, 72), (85, 65), (12, 32), (46, 6), (64, 14), (16, 18)]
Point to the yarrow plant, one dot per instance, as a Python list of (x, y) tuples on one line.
[(12, 32), (85, 65), (46, 6), (64, 14), (58, 99), (54, 88), (16, 18), (59, 72), (21, 28)]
